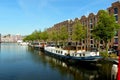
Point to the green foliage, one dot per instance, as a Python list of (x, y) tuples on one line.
[(105, 28), (113, 56), (63, 33), (34, 36), (79, 32), (54, 35), (104, 54), (44, 35)]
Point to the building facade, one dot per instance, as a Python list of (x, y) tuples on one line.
[(115, 10), (89, 22), (11, 38)]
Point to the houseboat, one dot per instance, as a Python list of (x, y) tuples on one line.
[(73, 57)]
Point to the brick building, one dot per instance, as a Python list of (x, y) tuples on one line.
[(115, 10), (89, 22)]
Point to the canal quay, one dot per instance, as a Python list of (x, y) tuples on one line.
[(23, 63)]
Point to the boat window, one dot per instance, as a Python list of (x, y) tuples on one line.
[(58, 51), (83, 54), (80, 55)]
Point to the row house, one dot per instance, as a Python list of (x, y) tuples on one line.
[(89, 22), (115, 10)]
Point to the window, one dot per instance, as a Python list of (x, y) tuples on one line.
[(91, 46), (83, 41), (82, 47), (91, 37), (91, 26), (116, 33), (115, 10), (90, 20), (116, 40), (116, 17), (70, 33), (91, 41), (101, 42)]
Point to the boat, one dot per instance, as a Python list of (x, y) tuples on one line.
[(73, 57), (24, 43), (20, 42), (37, 45)]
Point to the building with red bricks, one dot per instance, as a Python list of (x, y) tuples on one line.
[(89, 22)]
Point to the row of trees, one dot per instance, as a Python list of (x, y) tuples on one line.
[(60, 35), (104, 30)]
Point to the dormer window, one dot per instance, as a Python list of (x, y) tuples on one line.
[(115, 10)]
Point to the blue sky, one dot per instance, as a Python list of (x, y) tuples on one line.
[(25, 16)]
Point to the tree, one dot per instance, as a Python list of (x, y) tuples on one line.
[(63, 34), (36, 35), (44, 35), (33, 36), (53, 36), (105, 28), (79, 33)]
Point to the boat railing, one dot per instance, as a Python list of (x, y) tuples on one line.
[(80, 53)]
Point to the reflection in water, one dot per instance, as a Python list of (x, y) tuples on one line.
[(22, 63), (0, 47), (77, 73)]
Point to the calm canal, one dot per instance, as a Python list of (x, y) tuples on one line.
[(21, 63)]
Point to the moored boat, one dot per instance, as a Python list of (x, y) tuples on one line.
[(38, 45), (73, 57)]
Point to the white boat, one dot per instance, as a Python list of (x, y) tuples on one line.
[(20, 42), (81, 56), (24, 43), (38, 45)]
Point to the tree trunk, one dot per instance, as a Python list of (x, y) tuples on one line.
[(98, 45), (106, 46), (76, 47)]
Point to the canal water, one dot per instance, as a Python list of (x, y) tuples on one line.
[(22, 63)]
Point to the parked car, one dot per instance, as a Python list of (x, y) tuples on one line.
[(111, 50)]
